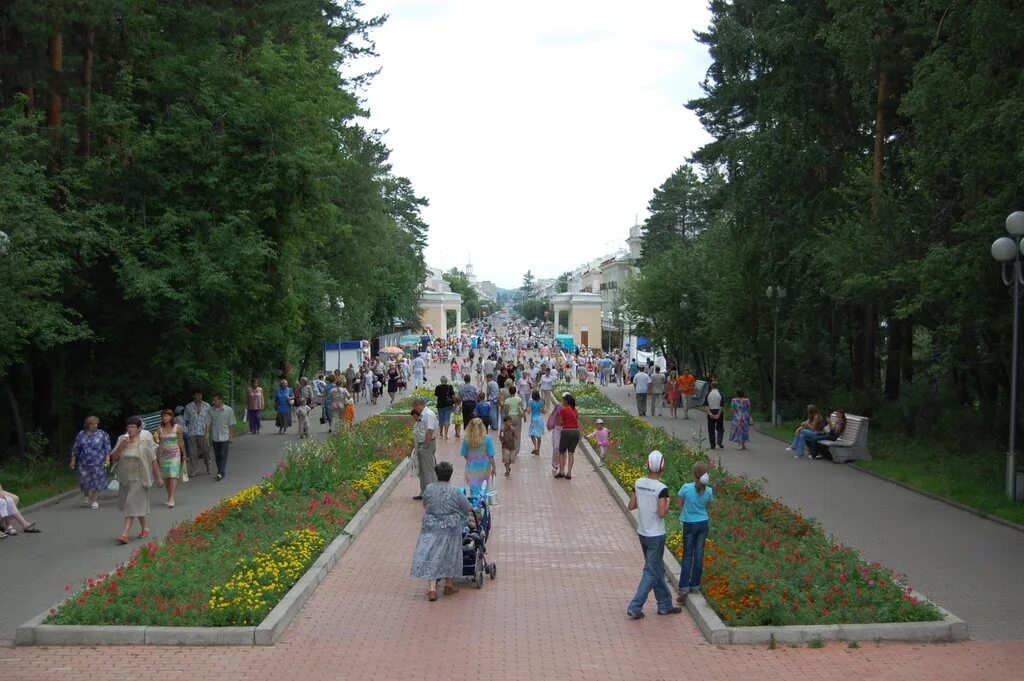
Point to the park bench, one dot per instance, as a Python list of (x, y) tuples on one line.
[(151, 421), (853, 443)]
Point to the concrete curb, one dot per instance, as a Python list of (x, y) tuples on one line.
[(52, 501), (925, 493), (950, 628), (268, 632)]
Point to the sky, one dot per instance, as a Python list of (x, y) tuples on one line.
[(537, 130)]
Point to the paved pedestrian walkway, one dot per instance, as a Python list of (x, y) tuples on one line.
[(967, 564), (77, 542), (568, 562)]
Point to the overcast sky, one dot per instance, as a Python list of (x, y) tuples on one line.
[(537, 130)]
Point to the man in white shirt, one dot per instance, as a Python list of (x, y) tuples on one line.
[(419, 369), (641, 383), (650, 500), (714, 405), (547, 383), (424, 434), (222, 432)]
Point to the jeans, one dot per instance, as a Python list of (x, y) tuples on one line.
[(641, 404), (802, 438), (220, 453), (694, 535), (655, 401), (495, 416), (653, 577)]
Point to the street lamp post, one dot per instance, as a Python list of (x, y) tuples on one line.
[(775, 293), (1007, 251), (341, 307)]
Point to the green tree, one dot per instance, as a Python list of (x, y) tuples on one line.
[(470, 298)]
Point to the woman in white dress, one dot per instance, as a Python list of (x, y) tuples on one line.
[(137, 471)]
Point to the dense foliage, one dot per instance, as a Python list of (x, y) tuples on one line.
[(189, 197), (864, 156), (234, 562)]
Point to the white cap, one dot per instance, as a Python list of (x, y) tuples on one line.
[(655, 461), (566, 394), (599, 421)]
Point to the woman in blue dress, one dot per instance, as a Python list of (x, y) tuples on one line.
[(537, 410), (90, 454)]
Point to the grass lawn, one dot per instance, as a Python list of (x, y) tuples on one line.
[(37, 481), (975, 479)]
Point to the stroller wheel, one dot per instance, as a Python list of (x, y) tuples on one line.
[(492, 569), (478, 576)]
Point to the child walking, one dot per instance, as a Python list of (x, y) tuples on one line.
[(508, 446), (694, 497), (457, 416), (303, 413), (604, 439)]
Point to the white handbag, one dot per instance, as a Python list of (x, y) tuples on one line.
[(113, 485)]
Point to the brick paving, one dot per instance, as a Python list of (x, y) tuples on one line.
[(567, 564)]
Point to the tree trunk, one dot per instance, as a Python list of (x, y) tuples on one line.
[(19, 426), (908, 351), (55, 109), (870, 344), (894, 359), (83, 119), (880, 126)]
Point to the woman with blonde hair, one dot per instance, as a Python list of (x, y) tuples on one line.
[(810, 430), (170, 453), (90, 454), (478, 451)]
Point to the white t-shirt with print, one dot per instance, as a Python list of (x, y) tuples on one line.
[(648, 492)]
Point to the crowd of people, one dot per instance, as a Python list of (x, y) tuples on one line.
[(493, 376)]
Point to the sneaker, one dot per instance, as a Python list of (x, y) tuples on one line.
[(797, 456), (635, 615), (85, 502), (674, 610), (681, 598), (95, 504), (219, 477)]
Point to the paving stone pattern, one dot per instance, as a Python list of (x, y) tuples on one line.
[(567, 565)]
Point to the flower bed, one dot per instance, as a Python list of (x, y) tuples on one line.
[(765, 564), (589, 400), (232, 564), (404, 405)]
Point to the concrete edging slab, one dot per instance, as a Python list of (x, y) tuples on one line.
[(950, 628), (268, 632)]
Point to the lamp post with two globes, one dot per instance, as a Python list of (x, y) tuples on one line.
[(1007, 251)]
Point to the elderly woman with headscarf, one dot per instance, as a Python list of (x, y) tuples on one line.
[(438, 552), (90, 454), (137, 470)]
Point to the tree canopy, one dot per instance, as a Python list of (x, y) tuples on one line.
[(189, 195), (863, 157)]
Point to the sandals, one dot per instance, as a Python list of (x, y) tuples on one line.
[(10, 531), (431, 596), (31, 529), (450, 589), (123, 539), (144, 534)]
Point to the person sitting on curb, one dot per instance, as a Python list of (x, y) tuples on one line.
[(650, 500), (9, 511)]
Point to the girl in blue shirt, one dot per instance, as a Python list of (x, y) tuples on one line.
[(694, 497)]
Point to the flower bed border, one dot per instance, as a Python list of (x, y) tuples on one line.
[(266, 633), (949, 628)]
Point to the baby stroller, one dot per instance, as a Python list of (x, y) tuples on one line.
[(474, 541)]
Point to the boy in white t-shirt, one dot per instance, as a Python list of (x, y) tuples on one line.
[(650, 499)]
